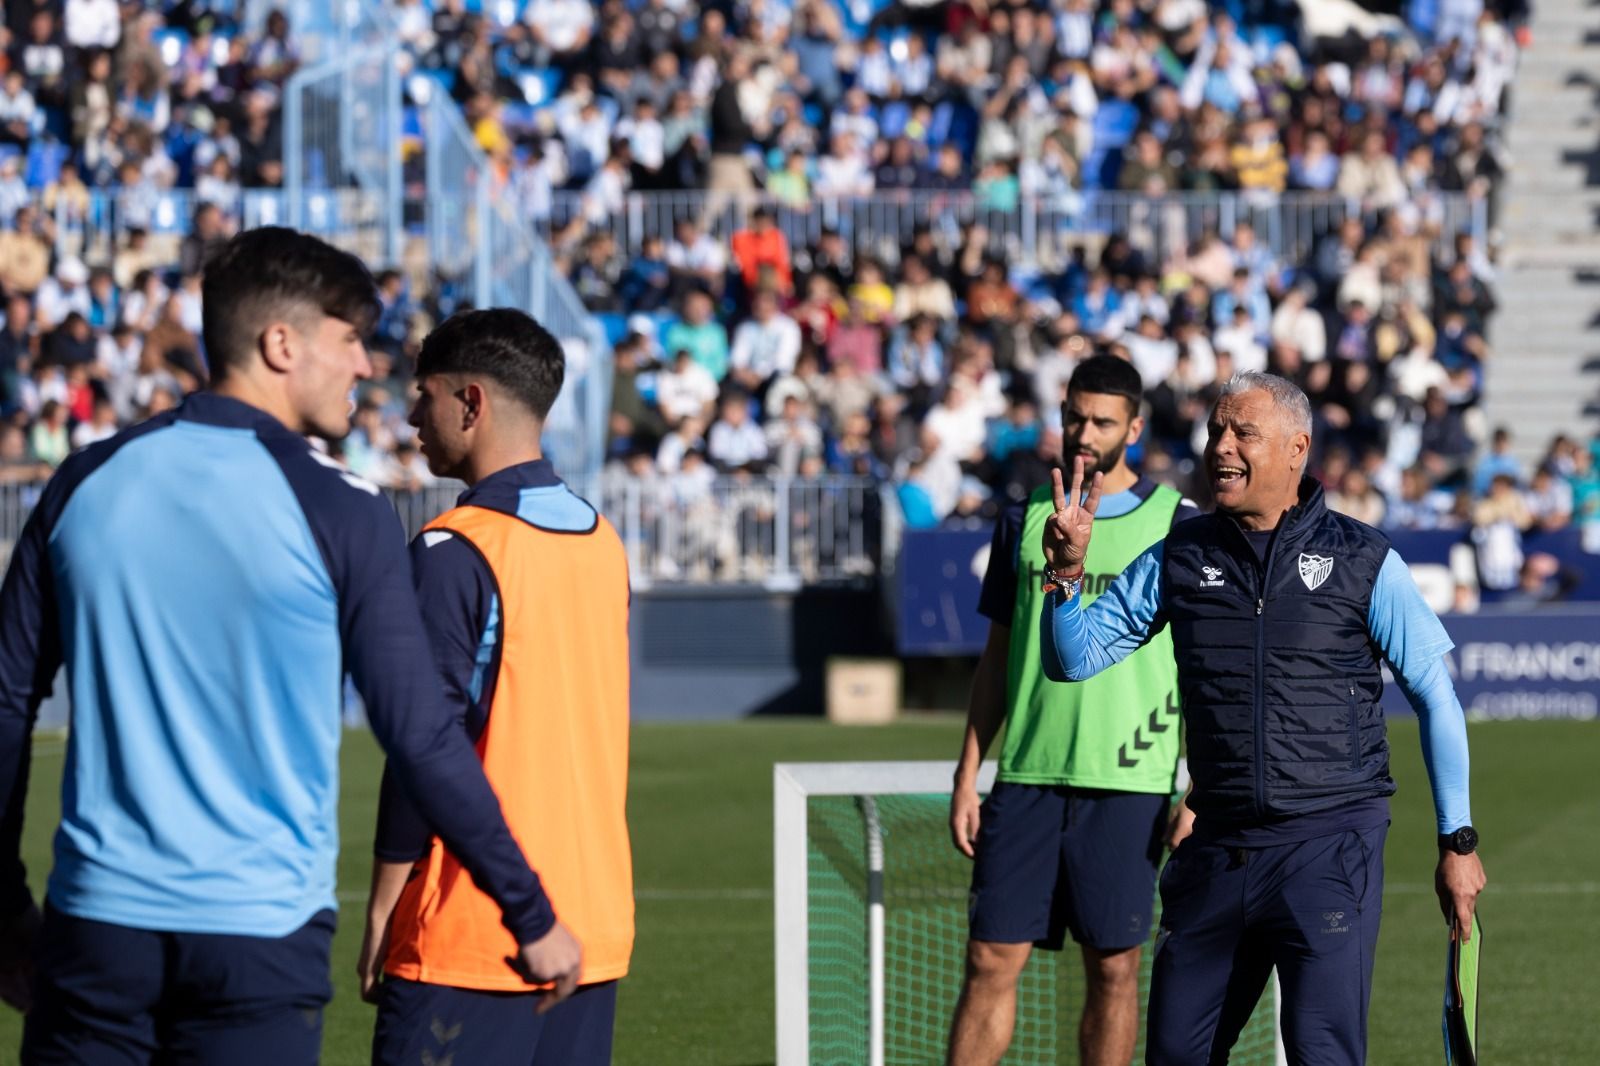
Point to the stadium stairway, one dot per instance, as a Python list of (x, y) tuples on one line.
[(1543, 376)]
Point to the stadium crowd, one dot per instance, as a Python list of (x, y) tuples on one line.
[(932, 361)]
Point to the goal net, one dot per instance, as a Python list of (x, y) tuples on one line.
[(871, 924)]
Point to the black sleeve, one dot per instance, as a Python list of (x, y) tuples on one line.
[(30, 654), (998, 599), (460, 612)]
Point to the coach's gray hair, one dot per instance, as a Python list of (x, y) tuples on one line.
[(1288, 397)]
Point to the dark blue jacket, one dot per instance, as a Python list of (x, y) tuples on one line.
[(1278, 675)]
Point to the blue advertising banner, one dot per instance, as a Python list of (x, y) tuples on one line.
[(1541, 663), (940, 572), (1522, 665)]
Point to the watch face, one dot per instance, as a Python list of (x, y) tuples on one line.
[(1466, 841)]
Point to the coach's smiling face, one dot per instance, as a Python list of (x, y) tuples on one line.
[(1254, 457), (443, 416)]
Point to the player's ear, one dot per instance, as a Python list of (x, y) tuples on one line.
[(1135, 431), (278, 345), (474, 402)]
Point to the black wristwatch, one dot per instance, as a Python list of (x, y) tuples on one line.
[(1463, 841)]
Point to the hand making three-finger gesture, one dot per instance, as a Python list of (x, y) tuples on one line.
[(1066, 534)]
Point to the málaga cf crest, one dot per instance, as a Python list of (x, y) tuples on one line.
[(1314, 569)]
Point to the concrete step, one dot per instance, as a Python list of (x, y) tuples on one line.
[(1551, 416), (1558, 147), (1551, 179), (1564, 26), (1521, 258), (1525, 141)]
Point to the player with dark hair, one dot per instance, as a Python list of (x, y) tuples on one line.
[(1071, 835), (208, 577), (1279, 613), (525, 590)]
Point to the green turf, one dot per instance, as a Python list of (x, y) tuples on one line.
[(701, 987)]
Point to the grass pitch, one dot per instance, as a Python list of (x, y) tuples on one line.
[(701, 987)]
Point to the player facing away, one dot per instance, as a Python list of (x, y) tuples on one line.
[(208, 577), (1279, 611), (525, 594), (1070, 838)]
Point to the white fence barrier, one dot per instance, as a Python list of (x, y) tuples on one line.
[(773, 531)]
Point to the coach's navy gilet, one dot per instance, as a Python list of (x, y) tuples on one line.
[(1278, 675)]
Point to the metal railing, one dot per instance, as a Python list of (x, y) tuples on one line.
[(341, 130), (167, 215), (773, 531), (323, 29), (1040, 231), (480, 243)]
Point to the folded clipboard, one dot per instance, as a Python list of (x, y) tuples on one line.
[(1461, 998)]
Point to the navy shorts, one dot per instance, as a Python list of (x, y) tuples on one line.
[(108, 995), (422, 1023), (1053, 859)]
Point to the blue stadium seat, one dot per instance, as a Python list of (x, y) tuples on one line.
[(170, 44), (892, 121), (520, 118), (615, 323), (44, 163), (540, 85), (1263, 41), (1114, 124)]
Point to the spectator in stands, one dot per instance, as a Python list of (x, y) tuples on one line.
[(17, 109), (50, 441), (1420, 505), (921, 293), (685, 389), (915, 497), (793, 439), (762, 254), (736, 443), (1498, 463), (1549, 500), (17, 464), (24, 253), (701, 335), (1498, 521), (764, 346), (1585, 482), (1357, 498), (696, 259)]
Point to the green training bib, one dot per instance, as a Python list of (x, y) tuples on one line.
[(1118, 730)]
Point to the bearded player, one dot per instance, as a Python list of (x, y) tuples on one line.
[(1070, 838)]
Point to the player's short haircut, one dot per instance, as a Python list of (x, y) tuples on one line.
[(1288, 397), (276, 274), (503, 345), (1106, 375)]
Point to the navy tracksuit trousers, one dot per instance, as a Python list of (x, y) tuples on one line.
[(1230, 915)]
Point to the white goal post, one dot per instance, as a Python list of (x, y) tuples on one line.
[(792, 785)]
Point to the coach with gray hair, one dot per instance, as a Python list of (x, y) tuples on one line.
[(1280, 610)]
